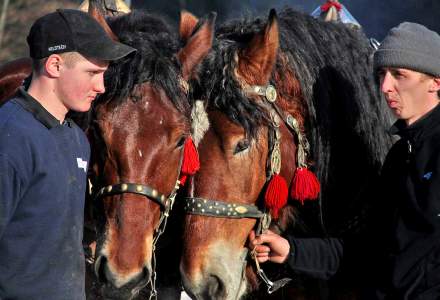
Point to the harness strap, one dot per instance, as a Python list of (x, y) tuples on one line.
[(134, 188), (220, 209)]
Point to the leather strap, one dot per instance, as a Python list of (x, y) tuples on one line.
[(134, 188), (221, 209)]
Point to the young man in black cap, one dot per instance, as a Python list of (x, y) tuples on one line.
[(404, 242), (44, 158)]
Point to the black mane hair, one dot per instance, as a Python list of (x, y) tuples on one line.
[(154, 61), (217, 85), (346, 120)]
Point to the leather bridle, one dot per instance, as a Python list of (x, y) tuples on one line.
[(222, 209), (166, 204)]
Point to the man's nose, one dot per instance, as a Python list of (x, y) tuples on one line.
[(386, 83), (99, 86)]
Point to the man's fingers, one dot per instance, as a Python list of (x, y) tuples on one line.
[(263, 255), (263, 259), (262, 249), (251, 235), (254, 240), (267, 238)]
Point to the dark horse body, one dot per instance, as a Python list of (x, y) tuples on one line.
[(323, 76)]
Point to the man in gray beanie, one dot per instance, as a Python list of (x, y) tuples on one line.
[(400, 253)]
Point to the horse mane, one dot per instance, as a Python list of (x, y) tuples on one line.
[(154, 61), (346, 120), (217, 83)]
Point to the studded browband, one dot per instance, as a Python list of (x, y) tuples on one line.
[(136, 188)]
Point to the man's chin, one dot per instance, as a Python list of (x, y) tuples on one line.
[(82, 109)]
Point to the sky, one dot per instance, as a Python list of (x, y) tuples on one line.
[(375, 16)]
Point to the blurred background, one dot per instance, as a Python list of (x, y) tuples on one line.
[(375, 16)]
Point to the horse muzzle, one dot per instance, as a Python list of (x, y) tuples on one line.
[(118, 286)]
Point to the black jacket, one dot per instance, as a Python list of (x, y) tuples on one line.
[(401, 246)]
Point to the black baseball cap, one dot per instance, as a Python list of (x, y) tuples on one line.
[(69, 30)]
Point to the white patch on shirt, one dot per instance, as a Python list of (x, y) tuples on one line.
[(82, 164)]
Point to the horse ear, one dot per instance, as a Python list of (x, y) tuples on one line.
[(197, 47), (257, 60), (97, 12), (187, 24)]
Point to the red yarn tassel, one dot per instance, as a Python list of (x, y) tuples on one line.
[(276, 194), (182, 179), (326, 6), (305, 185), (190, 161)]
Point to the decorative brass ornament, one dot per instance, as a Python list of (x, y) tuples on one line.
[(275, 160), (293, 123), (109, 188), (139, 188), (241, 209), (271, 93), (154, 193), (124, 187)]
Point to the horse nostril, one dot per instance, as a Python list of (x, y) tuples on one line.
[(141, 281), (216, 288)]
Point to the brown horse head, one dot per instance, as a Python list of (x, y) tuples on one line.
[(138, 134), (233, 154)]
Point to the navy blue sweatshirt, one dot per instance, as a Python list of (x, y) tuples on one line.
[(43, 167)]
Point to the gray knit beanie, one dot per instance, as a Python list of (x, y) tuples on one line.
[(410, 46)]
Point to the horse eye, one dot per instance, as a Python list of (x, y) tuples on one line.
[(181, 142), (241, 146)]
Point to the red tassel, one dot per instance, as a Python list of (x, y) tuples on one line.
[(305, 185), (182, 179), (326, 6), (190, 161), (276, 194)]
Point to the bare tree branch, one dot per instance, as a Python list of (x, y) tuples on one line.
[(3, 20)]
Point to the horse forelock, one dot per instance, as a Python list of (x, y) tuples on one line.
[(199, 121), (223, 91), (154, 62)]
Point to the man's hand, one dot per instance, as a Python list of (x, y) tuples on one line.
[(269, 247)]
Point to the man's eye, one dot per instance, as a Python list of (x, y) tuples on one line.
[(398, 74)]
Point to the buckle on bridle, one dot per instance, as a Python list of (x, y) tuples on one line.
[(268, 91)]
